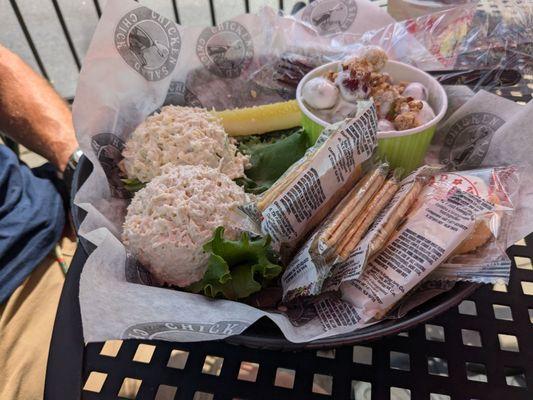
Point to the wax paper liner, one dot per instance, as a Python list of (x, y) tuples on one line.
[(139, 60)]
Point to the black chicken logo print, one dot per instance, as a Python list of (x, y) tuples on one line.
[(331, 16), (468, 140), (226, 49), (148, 42)]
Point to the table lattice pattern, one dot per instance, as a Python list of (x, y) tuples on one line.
[(477, 350)]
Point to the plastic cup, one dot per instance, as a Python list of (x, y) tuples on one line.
[(405, 149)]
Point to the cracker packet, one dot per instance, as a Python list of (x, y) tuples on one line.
[(481, 257), (355, 213)]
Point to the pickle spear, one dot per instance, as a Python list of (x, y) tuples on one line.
[(260, 119)]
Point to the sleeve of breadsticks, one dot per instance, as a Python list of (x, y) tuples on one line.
[(378, 202), (390, 217), (379, 220), (300, 200), (349, 212)]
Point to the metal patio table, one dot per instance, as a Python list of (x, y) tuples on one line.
[(479, 349)]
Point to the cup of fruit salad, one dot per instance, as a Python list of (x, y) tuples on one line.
[(409, 102)]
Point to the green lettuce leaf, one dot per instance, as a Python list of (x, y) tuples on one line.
[(236, 268), (133, 185), (271, 155)]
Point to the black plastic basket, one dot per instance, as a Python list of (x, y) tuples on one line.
[(264, 334)]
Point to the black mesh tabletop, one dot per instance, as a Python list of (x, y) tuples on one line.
[(478, 350)]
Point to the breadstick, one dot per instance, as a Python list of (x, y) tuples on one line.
[(280, 186), (352, 209), (378, 203), (351, 197), (335, 199), (383, 234)]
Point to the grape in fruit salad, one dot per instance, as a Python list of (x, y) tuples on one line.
[(334, 96)]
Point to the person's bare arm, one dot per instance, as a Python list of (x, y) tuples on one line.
[(32, 113)]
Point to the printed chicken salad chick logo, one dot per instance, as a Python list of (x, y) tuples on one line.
[(179, 94), (176, 330), (226, 49), (331, 16), (108, 149), (468, 140), (148, 42)]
